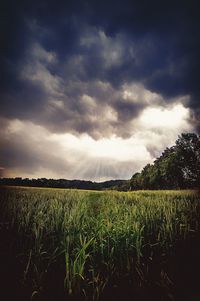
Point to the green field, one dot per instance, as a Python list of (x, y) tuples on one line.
[(92, 245)]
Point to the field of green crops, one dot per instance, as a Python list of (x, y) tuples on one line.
[(92, 245)]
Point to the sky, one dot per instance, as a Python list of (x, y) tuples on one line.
[(95, 90)]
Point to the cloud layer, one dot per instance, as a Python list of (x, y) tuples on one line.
[(95, 84)]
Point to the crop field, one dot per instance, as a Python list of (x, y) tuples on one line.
[(99, 245)]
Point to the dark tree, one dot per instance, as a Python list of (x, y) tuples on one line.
[(178, 167)]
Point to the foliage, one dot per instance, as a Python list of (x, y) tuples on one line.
[(178, 167)]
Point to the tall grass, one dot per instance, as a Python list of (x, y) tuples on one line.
[(90, 241)]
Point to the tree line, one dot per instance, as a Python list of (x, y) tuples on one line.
[(60, 183), (178, 167)]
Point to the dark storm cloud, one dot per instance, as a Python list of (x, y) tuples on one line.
[(53, 54)]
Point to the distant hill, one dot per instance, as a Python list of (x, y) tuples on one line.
[(63, 183)]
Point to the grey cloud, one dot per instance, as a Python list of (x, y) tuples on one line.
[(66, 67), (24, 151), (55, 101), (48, 88), (28, 153)]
